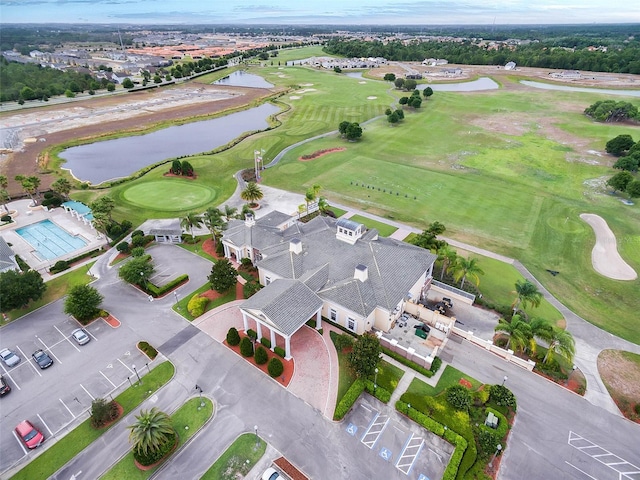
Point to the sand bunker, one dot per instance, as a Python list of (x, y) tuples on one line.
[(371, 98), (306, 84), (294, 97), (362, 83), (305, 90), (605, 257)]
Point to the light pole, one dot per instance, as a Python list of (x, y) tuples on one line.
[(504, 379), (175, 294), (136, 371), (375, 382), (199, 389), (255, 429), (142, 282), (498, 448)]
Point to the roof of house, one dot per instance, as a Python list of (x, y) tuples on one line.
[(7, 257), (162, 226), (285, 303)]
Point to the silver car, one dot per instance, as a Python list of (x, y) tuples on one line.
[(80, 336), (9, 357)]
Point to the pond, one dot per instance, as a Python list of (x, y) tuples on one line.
[(548, 86), (243, 79), (480, 84), (101, 161), (354, 74)]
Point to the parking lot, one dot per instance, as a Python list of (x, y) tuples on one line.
[(377, 430), (50, 404)]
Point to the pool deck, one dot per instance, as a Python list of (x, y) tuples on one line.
[(26, 215)]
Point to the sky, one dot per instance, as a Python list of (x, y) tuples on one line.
[(347, 12)]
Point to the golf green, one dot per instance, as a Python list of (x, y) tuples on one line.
[(169, 195)]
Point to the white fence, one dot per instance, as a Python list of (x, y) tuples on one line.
[(407, 352), (453, 292), (501, 352)]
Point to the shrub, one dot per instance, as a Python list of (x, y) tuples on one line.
[(481, 396), (246, 347), (459, 397), (154, 456), (5, 218), (251, 288), (343, 341), (436, 364), (103, 412), (252, 334), (159, 291), (349, 398), (266, 342), (275, 367), (148, 350), (59, 266), (637, 408), (137, 233), (233, 337), (280, 351), (197, 305), (137, 241), (261, 356), (123, 247), (503, 423), (380, 393), (488, 440), (501, 395), (176, 167), (137, 251)]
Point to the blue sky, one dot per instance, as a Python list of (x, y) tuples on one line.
[(397, 12)]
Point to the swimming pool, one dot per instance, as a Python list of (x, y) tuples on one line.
[(49, 240)]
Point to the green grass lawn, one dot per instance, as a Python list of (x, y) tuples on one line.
[(181, 306), (384, 229), (197, 247), (56, 289), (239, 458), (338, 211), (449, 377), (187, 421), (174, 196), (45, 465)]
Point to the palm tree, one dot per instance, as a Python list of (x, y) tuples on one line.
[(252, 193), (190, 221), (448, 256), (246, 210), (62, 186), (464, 268), (308, 198), (301, 209), (214, 222), (4, 199), (29, 185), (561, 343), (542, 330), (518, 331), (101, 222), (4, 183), (527, 293), (323, 205), (151, 431), (229, 212)]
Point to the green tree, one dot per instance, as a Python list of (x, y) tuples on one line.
[(427, 92), (223, 276), (252, 193), (17, 289), (229, 212), (464, 268), (187, 169), (527, 293), (620, 181), (354, 131), (389, 77), (400, 113), (104, 205), (176, 167), (540, 329), (137, 271), (323, 206), (561, 343), (233, 337), (111, 87), (415, 102), (151, 431), (518, 331), (633, 189), (246, 347), (30, 185), (157, 79), (309, 197), (4, 199), (403, 100), (342, 128), (260, 355), (410, 84), (630, 163), (62, 186), (399, 83), (448, 256), (365, 355), (214, 222), (83, 302), (393, 118), (619, 145), (190, 221), (127, 83), (337, 69), (4, 183)]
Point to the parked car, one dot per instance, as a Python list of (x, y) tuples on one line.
[(80, 336), (42, 359), (9, 357), (271, 474), (4, 386), (30, 435)]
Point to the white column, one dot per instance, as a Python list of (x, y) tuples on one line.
[(287, 347), (244, 321), (273, 338), (318, 319), (259, 329)]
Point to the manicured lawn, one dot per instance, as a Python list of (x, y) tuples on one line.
[(175, 195), (388, 376), (84, 434), (181, 306), (187, 420), (338, 211), (197, 247), (384, 229), (449, 377), (56, 289), (239, 458)]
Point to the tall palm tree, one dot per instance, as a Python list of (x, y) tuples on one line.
[(542, 330), (518, 331), (190, 221), (151, 431), (252, 193), (323, 205), (562, 343), (448, 256), (229, 212), (29, 185), (467, 267), (62, 186), (214, 222), (526, 293), (4, 183), (246, 210)]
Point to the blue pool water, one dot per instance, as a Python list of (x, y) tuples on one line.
[(49, 240)]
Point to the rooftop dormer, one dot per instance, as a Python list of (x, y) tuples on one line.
[(349, 231)]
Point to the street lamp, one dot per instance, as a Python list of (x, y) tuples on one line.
[(136, 371), (498, 448), (504, 379), (255, 429), (199, 389), (175, 294), (375, 381)]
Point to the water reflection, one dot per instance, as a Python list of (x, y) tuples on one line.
[(483, 83), (240, 78)]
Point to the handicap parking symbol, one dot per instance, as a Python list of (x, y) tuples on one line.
[(385, 453), (352, 429), (423, 477)]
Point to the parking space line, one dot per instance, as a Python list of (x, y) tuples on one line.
[(375, 432), (6, 372), (91, 334), (574, 438), (45, 424), (125, 366), (28, 360), (20, 442), (65, 406), (92, 397), (66, 338), (107, 378), (49, 350), (581, 471)]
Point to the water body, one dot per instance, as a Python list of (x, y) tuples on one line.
[(243, 79), (101, 161), (354, 74), (547, 86), (478, 85)]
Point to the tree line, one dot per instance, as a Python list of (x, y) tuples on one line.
[(622, 58)]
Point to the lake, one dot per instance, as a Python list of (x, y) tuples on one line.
[(101, 161), (480, 84), (548, 86), (243, 79)]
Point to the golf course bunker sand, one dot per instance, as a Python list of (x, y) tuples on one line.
[(306, 84), (295, 97), (372, 98), (605, 257), (305, 90)]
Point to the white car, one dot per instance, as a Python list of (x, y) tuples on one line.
[(271, 474), (80, 336), (9, 358)]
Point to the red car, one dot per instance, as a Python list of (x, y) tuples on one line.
[(30, 435)]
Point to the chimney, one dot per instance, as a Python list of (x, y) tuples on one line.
[(361, 273), (249, 220), (295, 246)]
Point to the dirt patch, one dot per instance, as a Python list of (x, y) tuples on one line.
[(620, 372), (320, 153), (186, 177)]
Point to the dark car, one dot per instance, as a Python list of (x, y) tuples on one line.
[(30, 435), (4, 386), (42, 359)]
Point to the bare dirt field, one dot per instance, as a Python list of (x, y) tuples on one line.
[(25, 134), (620, 374)]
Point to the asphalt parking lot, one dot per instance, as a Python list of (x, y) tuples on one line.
[(386, 436)]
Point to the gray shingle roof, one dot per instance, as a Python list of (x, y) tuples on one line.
[(167, 226), (7, 257), (286, 304)]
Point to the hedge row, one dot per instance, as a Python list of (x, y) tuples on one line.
[(62, 265), (503, 424), (380, 393), (450, 436), (349, 398), (266, 342), (159, 291), (281, 352), (411, 364), (148, 350)]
